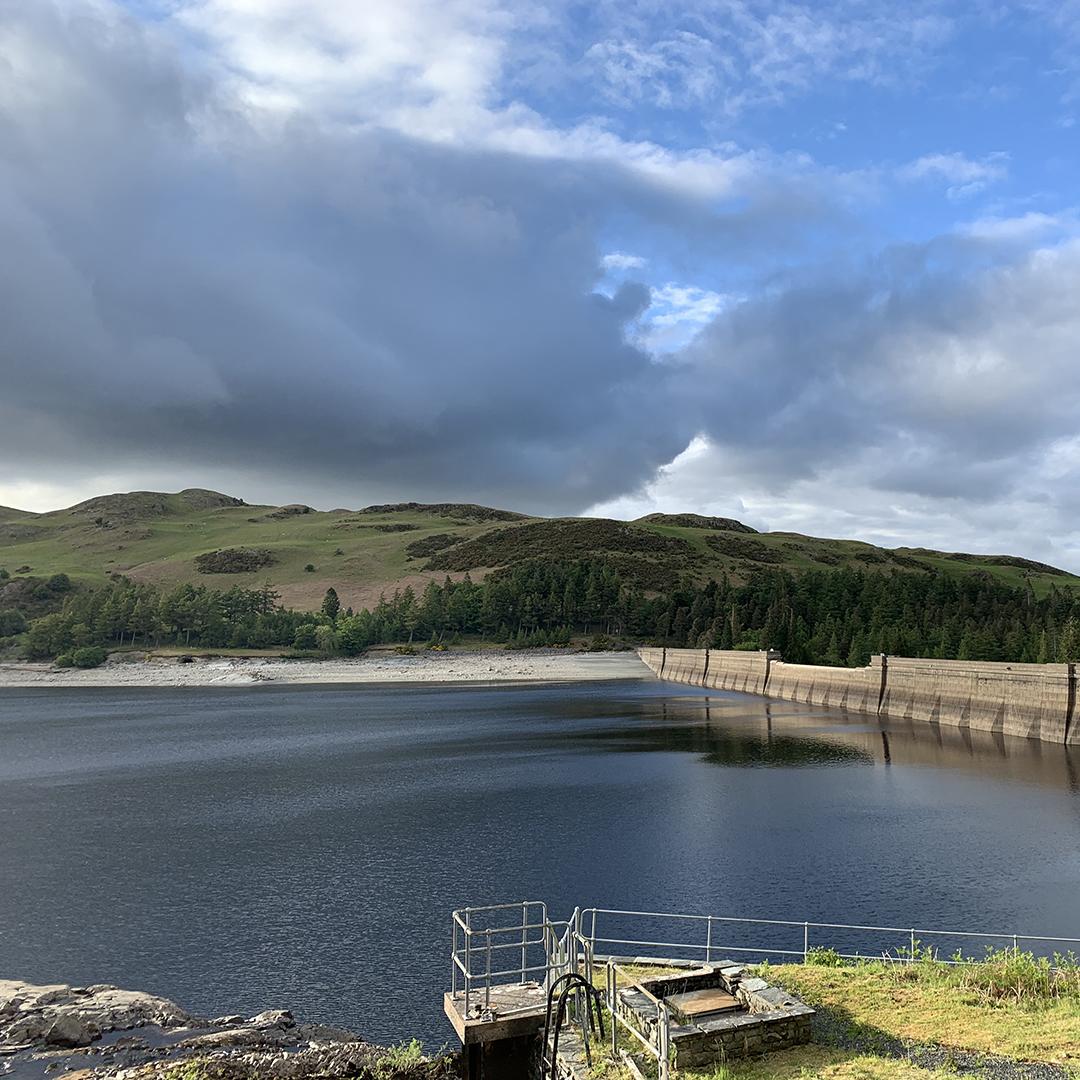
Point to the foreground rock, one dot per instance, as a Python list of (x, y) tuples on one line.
[(72, 1016), (103, 1031)]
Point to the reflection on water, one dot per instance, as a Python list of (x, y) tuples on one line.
[(302, 846), (745, 730)]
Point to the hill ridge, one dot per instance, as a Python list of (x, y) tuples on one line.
[(162, 537)]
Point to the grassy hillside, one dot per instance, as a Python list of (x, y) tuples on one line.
[(208, 538)]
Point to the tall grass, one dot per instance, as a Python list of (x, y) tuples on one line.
[(1002, 975), (1021, 977)]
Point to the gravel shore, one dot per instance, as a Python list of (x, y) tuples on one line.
[(495, 665)]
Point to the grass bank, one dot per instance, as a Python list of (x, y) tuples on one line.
[(1012, 1017)]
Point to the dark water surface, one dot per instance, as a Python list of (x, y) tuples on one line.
[(302, 847)]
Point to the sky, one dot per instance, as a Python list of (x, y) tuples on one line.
[(811, 265)]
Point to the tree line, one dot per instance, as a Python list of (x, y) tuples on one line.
[(831, 616)]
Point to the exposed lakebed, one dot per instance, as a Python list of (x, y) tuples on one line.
[(301, 847)]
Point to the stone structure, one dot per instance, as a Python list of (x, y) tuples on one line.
[(760, 1017), (1035, 701), (745, 671)]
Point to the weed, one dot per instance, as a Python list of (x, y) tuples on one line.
[(824, 958), (400, 1057)]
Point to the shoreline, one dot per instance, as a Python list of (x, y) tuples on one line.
[(484, 666)]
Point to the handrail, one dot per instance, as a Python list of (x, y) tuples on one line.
[(661, 1048), (474, 936), (824, 925), (710, 946)]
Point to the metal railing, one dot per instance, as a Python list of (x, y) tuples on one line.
[(540, 950), (543, 949), (706, 938), (660, 1045)]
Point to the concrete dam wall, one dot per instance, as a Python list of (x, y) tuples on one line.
[(1034, 701)]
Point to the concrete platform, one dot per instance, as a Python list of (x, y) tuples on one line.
[(515, 1010)]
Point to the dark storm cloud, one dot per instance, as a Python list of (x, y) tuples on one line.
[(181, 285), (358, 304), (185, 288)]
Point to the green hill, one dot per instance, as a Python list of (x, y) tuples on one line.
[(208, 538)]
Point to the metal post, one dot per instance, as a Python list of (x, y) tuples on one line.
[(911, 959), (805, 942), (453, 958), (487, 981), (708, 942), (468, 960), (524, 937), (1016, 947), (611, 1007), (665, 1045)]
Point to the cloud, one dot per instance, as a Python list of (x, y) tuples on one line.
[(182, 283), (925, 398), (196, 278), (846, 502), (742, 54), (676, 313), (1031, 227), (326, 251), (620, 260), (435, 70), (963, 175)]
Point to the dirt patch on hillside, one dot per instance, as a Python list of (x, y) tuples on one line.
[(307, 595)]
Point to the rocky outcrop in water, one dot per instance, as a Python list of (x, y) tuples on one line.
[(71, 1016), (87, 1032)]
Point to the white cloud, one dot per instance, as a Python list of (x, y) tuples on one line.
[(930, 400), (431, 69), (963, 175), (357, 60), (735, 54), (846, 502), (620, 260), (676, 313), (1024, 228)]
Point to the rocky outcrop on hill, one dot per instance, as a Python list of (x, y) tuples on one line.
[(289, 510), (464, 511), (233, 560), (697, 521), (128, 506)]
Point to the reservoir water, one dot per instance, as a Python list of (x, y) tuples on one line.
[(302, 847)]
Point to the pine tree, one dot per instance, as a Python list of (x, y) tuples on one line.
[(331, 605)]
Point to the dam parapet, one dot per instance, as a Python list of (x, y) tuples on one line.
[(1034, 701), (747, 672)]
